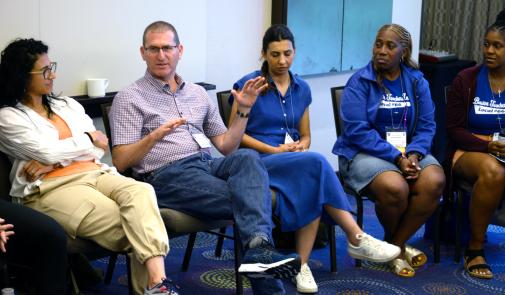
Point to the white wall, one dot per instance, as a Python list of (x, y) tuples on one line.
[(406, 13), (101, 39), (222, 41)]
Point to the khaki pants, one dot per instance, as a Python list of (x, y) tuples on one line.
[(116, 212)]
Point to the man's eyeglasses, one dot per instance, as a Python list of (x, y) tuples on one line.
[(153, 50), (46, 71)]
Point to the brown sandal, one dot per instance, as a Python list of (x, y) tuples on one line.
[(473, 270)]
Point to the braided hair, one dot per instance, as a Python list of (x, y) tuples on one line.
[(499, 24), (405, 40)]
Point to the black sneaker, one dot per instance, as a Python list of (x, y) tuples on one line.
[(265, 262), (166, 287)]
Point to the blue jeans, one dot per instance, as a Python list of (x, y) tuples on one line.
[(235, 186)]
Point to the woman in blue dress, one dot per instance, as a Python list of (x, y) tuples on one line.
[(305, 183)]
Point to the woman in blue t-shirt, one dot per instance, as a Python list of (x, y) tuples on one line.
[(475, 116), (384, 151), (305, 183)]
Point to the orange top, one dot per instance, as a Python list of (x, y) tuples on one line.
[(75, 167)]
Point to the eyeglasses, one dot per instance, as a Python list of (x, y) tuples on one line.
[(153, 50), (46, 71)]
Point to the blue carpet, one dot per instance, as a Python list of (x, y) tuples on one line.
[(211, 275)]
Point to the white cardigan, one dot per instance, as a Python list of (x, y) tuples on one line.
[(25, 136)]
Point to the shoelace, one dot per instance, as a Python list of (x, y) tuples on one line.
[(306, 274), (367, 240)]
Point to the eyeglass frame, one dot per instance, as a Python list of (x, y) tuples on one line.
[(46, 71), (165, 49)]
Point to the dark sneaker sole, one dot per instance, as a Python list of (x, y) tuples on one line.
[(284, 271)]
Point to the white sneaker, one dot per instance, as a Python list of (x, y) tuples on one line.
[(305, 282), (372, 249)]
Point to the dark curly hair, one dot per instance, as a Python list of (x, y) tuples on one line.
[(16, 63)]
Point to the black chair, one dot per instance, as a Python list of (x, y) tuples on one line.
[(336, 93), (179, 224), (74, 246), (462, 189), (225, 112)]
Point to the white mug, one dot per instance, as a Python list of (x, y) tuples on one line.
[(96, 87)]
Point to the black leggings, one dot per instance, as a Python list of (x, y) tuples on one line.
[(40, 243)]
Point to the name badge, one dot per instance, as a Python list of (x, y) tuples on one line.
[(397, 138), (202, 140), (288, 139), (496, 136)]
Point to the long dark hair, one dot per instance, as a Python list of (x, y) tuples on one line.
[(274, 33), (16, 63)]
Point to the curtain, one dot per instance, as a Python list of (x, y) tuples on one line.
[(458, 26)]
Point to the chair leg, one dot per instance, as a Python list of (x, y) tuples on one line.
[(359, 204), (459, 214), (73, 282), (5, 272), (237, 246), (220, 240), (189, 250), (436, 243), (129, 274), (110, 269), (333, 250)]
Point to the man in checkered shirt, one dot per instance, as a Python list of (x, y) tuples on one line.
[(163, 128)]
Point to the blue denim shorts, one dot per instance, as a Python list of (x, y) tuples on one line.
[(363, 168)]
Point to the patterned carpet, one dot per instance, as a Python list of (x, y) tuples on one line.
[(211, 275)]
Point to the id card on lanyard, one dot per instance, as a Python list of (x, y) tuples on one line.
[(202, 140), (288, 139), (397, 136)]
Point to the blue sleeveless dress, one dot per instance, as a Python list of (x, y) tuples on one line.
[(304, 181)]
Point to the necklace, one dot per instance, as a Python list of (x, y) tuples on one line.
[(492, 82), (403, 118)]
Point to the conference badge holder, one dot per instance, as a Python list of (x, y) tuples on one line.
[(397, 137), (202, 140), (288, 139)]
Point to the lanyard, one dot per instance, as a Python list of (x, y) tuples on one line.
[(403, 119), (284, 114)]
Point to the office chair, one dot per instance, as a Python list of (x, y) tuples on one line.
[(225, 112), (178, 223), (336, 93)]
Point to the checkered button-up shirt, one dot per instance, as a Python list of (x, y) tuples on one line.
[(148, 103)]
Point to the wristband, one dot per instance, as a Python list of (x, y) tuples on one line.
[(89, 135), (242, 115)]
